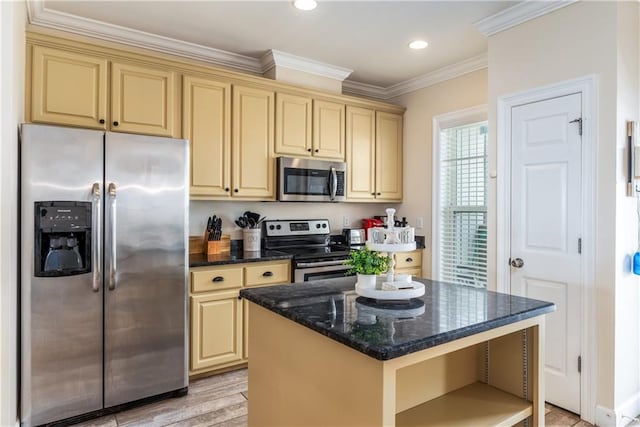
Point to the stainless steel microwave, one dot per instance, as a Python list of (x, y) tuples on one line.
[(307, 180)]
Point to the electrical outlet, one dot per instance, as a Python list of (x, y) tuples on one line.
[(419, 222), (346, 222)]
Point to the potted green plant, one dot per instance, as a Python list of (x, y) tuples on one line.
[(366, 264)]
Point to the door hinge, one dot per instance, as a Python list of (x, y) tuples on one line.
[(579, 122), (579, 363), (580, 245)]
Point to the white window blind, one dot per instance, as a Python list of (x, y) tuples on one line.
[(463, 205)]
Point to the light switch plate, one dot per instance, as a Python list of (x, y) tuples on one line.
[(419, 222), (346, 222)]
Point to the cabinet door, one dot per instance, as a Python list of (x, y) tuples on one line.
[(206, 122), (361, 161), (216, 329), (328, 129), (388, 156), (143, 100), (68, 88), (252, 149), (293, 125)]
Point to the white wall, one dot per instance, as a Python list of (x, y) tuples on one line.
[(422, 105), (627, 292), (12, 47), (575, 41)]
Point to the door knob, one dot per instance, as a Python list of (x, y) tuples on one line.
[(517, 263)]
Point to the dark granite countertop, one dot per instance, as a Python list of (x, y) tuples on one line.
[(235, 257), (444, 313)]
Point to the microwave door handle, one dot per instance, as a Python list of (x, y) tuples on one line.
[(333, 183)]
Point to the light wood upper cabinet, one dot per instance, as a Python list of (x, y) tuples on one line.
[(216, 329), (361, 156), (328, 129), (388, 156), (293, 125), (144, 100), (253, 143), (206, 122), (374, 155), (68, 88)]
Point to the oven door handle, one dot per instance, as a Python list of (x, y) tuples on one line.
[(319, 264)]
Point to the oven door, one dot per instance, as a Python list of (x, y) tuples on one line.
[(317, 270)]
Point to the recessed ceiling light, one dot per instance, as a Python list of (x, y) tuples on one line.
[(305, 4), (418, 44)]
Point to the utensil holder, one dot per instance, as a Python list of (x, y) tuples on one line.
[(213, 247), (251, 239)]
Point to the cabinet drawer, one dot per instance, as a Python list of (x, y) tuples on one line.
[(411, 259), (214, 280), (267, 274)]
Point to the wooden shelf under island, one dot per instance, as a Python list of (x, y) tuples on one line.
[(458, 356)]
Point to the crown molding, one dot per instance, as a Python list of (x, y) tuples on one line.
[(445, 73), (39, 15), (275, 58), (516, 15)]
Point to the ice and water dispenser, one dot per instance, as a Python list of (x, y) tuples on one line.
[(62, 238)]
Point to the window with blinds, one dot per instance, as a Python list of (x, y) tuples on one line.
[(463, 205)]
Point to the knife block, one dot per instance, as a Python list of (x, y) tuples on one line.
[(214, 247)]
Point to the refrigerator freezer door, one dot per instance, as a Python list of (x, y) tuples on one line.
[(146, 203), (61, 317)]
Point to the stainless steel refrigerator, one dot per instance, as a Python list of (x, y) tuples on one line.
[(103, 270)]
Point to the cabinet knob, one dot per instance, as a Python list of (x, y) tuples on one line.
[(309, 149), (116, 123), (101, 121), (235, 190), (377, 194), (409, 259), (267, 274), (226, 189), (373, 194), (239, 297), (218, 279), (317, 150)]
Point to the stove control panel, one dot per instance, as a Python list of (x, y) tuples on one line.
[(292, 227)]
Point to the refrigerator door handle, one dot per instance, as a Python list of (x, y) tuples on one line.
[(96, 254), (112, 226)]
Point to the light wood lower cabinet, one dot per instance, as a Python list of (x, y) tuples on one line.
[(219, 318), (216, 325), (409, 263)]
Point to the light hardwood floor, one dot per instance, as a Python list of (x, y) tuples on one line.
[(221, 400)]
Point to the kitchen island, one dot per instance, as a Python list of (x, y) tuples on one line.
[(321, 355)]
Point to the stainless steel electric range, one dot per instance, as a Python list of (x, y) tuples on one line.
[(309, 241)]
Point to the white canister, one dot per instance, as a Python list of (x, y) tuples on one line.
[(251, 239)]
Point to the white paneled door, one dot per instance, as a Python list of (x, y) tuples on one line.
[(546, 223)]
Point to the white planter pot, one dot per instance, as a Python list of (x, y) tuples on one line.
[(367, 281)]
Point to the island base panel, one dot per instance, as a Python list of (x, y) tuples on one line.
[(298, 377)]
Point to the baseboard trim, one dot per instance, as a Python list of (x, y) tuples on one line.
[(621, 416)]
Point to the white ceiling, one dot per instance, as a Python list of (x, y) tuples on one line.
[(369, 37)]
